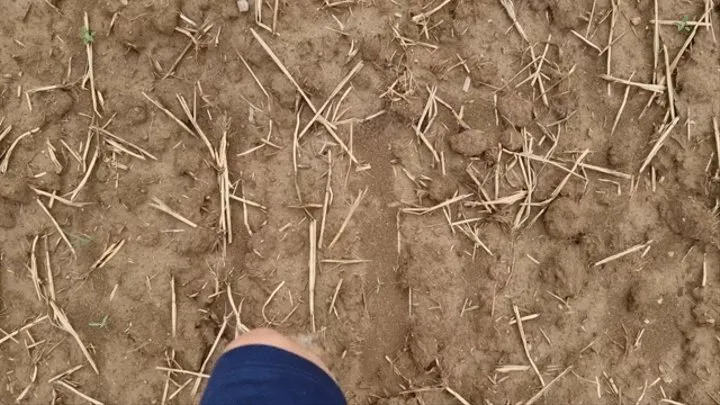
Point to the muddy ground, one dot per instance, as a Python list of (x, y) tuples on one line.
[(480, 192)]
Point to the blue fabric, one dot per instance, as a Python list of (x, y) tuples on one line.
[(266, 375)]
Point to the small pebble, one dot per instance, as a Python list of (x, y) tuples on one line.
[(243, 5), (635, 20)]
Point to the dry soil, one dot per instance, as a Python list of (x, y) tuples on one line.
[(481, 191)]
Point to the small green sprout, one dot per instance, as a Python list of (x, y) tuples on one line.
[(683, 25), (87, 35), (79, 240), (101, 324)]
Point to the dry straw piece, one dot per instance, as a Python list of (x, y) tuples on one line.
[(312, 266), (181, 371), (540, 393), (327, 200), (161, 206), (625, 252), (622, 107), (658, 144), (427, 14), (109, 253), (48, 270), (586, 41), (57, 226), (5, 162), (332, 95), (5, 131), (33, 268), (196, 386), (78, 393), (64, 322), (91, 70), (142, 152), (267, 302), (655, 88), (170, 114), (23, 328), (88, 172), (59, 199), (669, 81), (331, 309), (457, 396), (240, 328), (518, 319), (716, 133), (65, 373), (656, 41), (329, 126), (353, 208), (608, 64)]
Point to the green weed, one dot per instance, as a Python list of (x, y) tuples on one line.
[(87, 35), (79, 241), (682, 25), (101, 324)]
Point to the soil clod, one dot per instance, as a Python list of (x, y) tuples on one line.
[(473, 142), (516, 109), (564, 219), (691, 219)]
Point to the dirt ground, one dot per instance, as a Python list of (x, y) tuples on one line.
[(458, 171)]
